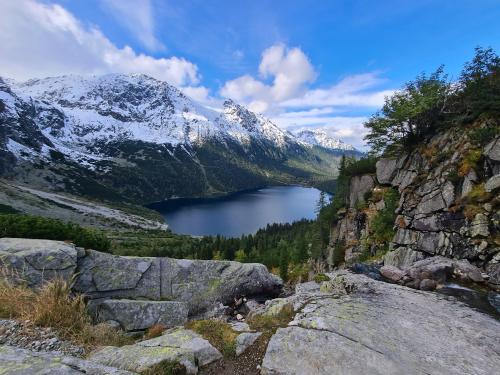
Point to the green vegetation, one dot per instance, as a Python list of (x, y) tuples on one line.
[(218, 333), (320, 277), (25, 226), (431, 102), (269, 323), (382, 226)]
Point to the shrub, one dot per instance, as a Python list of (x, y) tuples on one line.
[(469, 162), (25, 226), (155, 331), (382, 226), (219, 334), (483, 135), (338, 254), (320, 277)]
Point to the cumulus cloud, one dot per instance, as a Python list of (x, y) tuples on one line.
[(283, 91), (39, 40), (289, 70), (137, 17)]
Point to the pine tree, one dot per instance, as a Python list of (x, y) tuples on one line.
[(283, 253)]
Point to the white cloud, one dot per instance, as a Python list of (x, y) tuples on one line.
[(349, 92), (137, 16), (348, 129), (289, 69), (39, 40)]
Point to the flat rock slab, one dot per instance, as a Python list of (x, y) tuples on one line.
[(38, 261), (380, 328), (175, 345), (139, 315), (245, 340), (15, 361)]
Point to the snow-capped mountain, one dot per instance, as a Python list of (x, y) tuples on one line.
[(136, 136), (320, 137)]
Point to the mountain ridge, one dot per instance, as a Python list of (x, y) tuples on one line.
[(143, 139)]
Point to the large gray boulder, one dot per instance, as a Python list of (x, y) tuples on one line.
[(176, 345), (434, 271), (493, 183), (372, 327), (37, 261), (402, 257), (16, 361), (386, 170), (360, 185), (136, 315), (199, 283)]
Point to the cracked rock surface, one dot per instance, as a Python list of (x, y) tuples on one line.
[(175, 345), (356, 325)]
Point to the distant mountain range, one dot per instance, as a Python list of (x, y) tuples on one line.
[(131, 137), (319, 137)]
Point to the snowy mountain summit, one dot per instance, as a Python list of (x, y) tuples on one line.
[(320, 137), (142, 108)]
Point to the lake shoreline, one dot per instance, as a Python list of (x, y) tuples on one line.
[(242, 212)]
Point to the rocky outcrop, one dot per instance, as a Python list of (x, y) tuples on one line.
[(36, 261), (120, 287), (449, 206), (198, 283), (360, 185), (177, 345), (135, 315), (15, 361), (356, 325)]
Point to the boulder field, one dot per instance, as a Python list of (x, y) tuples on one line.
[(347, 324)]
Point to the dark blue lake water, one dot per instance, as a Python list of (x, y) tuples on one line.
[(241, 213)]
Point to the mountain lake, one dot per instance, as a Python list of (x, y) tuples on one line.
[(239, 213)]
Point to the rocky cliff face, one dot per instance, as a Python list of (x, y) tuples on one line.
[(448, 206)]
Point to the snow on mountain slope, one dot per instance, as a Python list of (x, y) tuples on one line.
[(138, 107), (319, 137)]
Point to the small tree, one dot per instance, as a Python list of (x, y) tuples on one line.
[(410, 114), (480, 85)]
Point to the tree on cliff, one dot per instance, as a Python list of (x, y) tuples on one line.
[(429, 102), (410, 114)]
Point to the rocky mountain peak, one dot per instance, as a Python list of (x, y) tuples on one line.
[(320, 137)]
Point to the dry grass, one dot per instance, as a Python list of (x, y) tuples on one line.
[(155, 331), (219, 334), (166, 368), (54, 306), (270, 323), (470, 162)]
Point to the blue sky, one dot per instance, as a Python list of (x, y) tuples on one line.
[(301, 63)]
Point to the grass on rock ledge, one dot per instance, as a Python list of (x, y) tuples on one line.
[(54, 306), (218, 333)]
